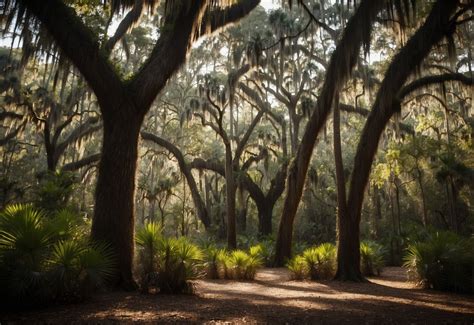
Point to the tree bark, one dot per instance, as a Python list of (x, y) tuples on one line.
[(265, 216), (242, 209), (348, 268), (348, 252), (378, 211), (114, 215), (230, 198), (424, 219)]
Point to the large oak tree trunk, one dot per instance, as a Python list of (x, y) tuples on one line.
[(348, 252), (404, 64), (348, 266), (114, 216), (343, 60), (114, 211)]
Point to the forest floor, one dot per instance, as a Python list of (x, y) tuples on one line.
[(272, 298)]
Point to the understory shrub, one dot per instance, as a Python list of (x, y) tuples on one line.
[(55, 190), (319, 262), (46, 258), (315, 263), (166, 264), (265, 250), (214, 262), (298, 268), (235, 265), (241, 265), (371, 258), (443, 261)]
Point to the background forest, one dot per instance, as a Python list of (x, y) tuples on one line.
[(221, 148)]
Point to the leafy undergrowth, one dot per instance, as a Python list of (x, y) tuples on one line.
[(45, 257)]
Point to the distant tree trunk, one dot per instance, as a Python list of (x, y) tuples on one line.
[(242, 216), (378, 211), (424, 219), (294, 127), (230, 198), (399, 208), (183, 211), (162, 215), (151, 210), (114, 216), (451, 195), (392, 210)]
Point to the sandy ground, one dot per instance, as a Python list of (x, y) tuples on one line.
[(272, 298)]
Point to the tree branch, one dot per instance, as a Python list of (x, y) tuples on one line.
[(219, 18), (81, 162), (132, 17), (79, 44)]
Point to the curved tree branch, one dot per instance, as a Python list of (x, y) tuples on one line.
[(186, 170)]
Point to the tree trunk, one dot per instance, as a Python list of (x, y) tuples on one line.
[(423, 199), (151, 210), (378, 211), (242, 216), (348, 258), (207, 195), (342, 62), (230, 199), (265, 211), (450, 191), (294, 128), (397, 200), (436, 27), (183, 210), (392, 210), (114, 215), (49, 148), (348, 252)]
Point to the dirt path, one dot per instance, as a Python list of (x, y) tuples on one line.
[(272, 298)]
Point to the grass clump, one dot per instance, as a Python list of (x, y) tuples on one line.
[(166, 265), (298, 268), (315, 263), (235, 265)]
